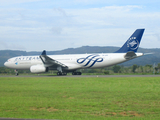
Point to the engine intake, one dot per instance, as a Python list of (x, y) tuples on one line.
[(38, 69)]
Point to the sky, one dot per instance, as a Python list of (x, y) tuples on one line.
[(37, 25)]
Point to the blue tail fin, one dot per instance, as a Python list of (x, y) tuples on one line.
[(132, 43)]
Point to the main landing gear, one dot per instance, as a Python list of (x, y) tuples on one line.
[(61, 73), (76, 73), (65, 73)]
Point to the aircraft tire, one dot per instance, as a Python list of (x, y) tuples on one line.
[(59, 73), (17, 74), (64, 73), (76, 73), (79, 73)]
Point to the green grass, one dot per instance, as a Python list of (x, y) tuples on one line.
[(80, 98)]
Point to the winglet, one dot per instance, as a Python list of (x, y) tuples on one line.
[(41, 56), (132, 43), (48, 61), (44, 52)]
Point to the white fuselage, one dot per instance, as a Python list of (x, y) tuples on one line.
[(72, 61)]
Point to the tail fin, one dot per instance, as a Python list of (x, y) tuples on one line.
[(132, 43)]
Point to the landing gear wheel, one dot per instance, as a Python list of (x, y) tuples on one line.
[(79, 73), (76, 73), (16, 73), (64, 73), (59, 73)]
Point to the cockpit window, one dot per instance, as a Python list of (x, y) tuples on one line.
[(16, 59)]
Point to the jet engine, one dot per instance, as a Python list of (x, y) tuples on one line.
[(38, 69)]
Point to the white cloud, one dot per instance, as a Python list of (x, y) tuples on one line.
[(9, 2), (58, 28)]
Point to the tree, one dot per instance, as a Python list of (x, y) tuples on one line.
[(134, 67), (158, 66), (116, 68), (106, 72)]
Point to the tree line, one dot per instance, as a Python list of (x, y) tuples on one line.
[(116, 69), (120, 69)]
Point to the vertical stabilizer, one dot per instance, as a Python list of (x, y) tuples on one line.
[(132, 43)]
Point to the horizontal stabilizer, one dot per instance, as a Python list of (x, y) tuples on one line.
[(148, 53)]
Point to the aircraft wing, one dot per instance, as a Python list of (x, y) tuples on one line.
[(49, 61), (130, 55)]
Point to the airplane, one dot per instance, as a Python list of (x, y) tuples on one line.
[(72, 62)]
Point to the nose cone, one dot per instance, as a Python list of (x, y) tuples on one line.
[(5, 64), (9, 64)]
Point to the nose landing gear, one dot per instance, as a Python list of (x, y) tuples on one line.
[(16, 72)]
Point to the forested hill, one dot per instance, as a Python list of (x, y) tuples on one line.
[(147, 59)]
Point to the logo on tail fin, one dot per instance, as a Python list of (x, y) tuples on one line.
[(133, 43)]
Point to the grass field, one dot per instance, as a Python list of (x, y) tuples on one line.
[(80, 98)]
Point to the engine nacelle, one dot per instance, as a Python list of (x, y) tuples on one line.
[(38, 69)]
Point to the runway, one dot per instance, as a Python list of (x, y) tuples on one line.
[(81, 76)]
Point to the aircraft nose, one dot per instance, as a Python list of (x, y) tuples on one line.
[(9, 64), (5, 64)]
